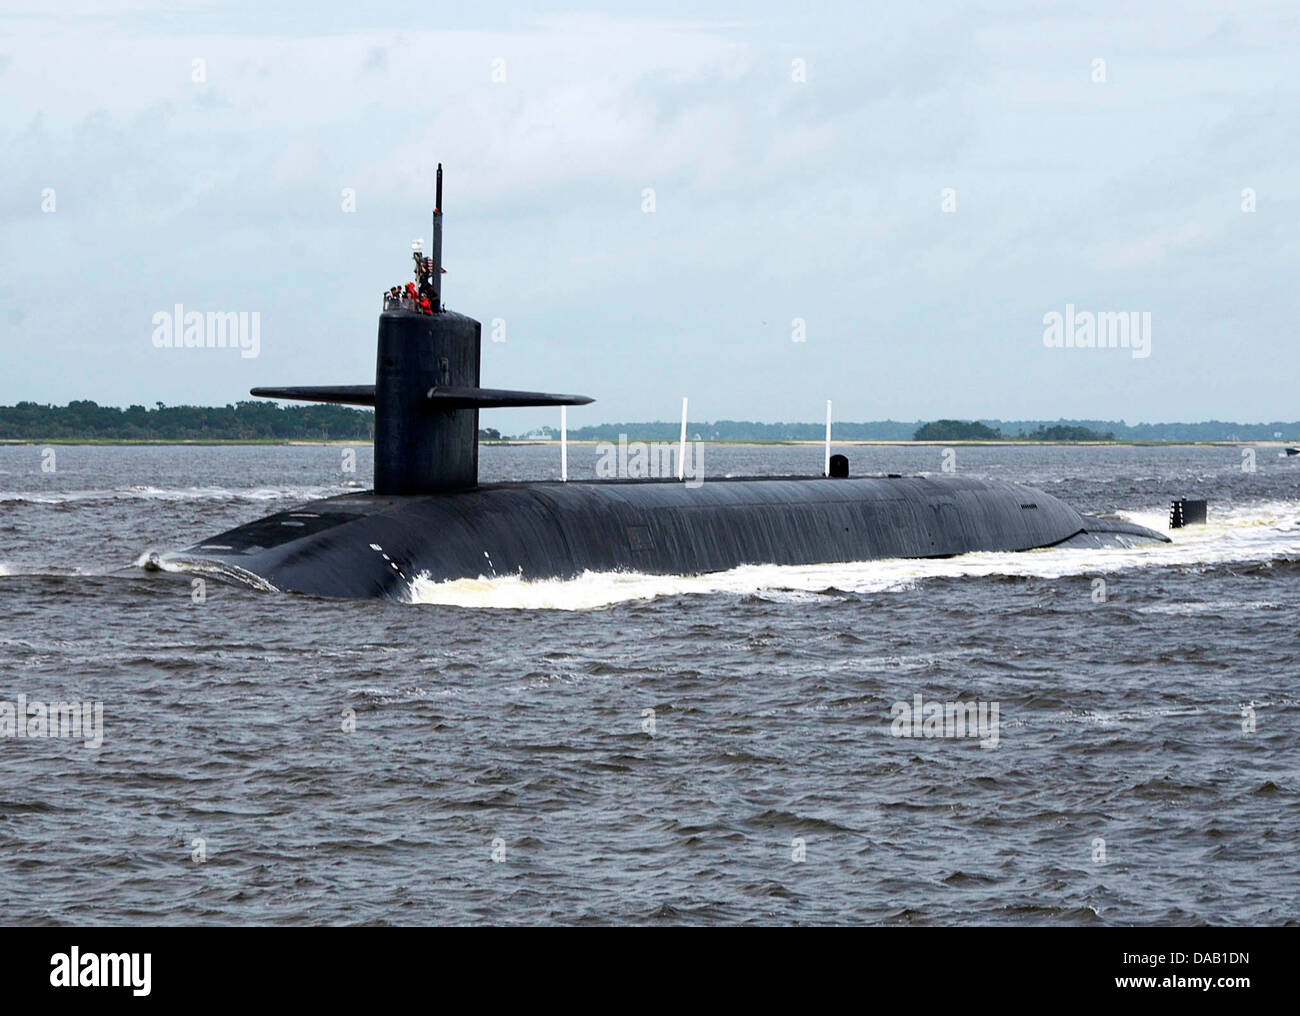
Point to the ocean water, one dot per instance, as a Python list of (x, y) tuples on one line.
[(649, 749)]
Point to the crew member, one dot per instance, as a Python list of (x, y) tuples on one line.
[(426, 282)]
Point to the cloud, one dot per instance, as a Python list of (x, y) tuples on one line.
[(1148, 250), (775, 199)]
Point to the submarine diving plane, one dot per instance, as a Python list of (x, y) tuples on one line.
[(429, 516)]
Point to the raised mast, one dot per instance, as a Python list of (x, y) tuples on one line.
[(436, 253)]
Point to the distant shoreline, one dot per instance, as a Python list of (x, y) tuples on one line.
[(263, 423), (552, 442)]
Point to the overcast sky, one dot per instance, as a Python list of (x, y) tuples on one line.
[(775, 199)]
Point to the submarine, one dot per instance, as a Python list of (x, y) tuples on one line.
[(429, 517)]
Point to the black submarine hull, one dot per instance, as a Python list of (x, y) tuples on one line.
[(429, 517), (375, 545)]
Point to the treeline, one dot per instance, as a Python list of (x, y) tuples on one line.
[(268, 421), (973, 430), (735, 430), (1206, 430), (957, 430), (244, 421), (1065, 432), (977, 430)]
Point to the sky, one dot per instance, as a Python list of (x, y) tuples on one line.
[(652, 202)]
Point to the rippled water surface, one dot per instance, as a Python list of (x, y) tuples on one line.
[(508, 718)]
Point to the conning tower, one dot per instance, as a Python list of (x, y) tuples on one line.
[(426, 394)]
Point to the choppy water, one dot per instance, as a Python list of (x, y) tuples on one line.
[(771, 690)]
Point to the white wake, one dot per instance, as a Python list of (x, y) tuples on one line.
[(1260, 532)]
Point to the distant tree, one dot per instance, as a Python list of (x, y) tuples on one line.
[(1063, 432), (956, 430)]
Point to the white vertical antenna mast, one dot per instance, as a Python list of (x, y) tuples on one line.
[(681, 444), (827, 471)]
